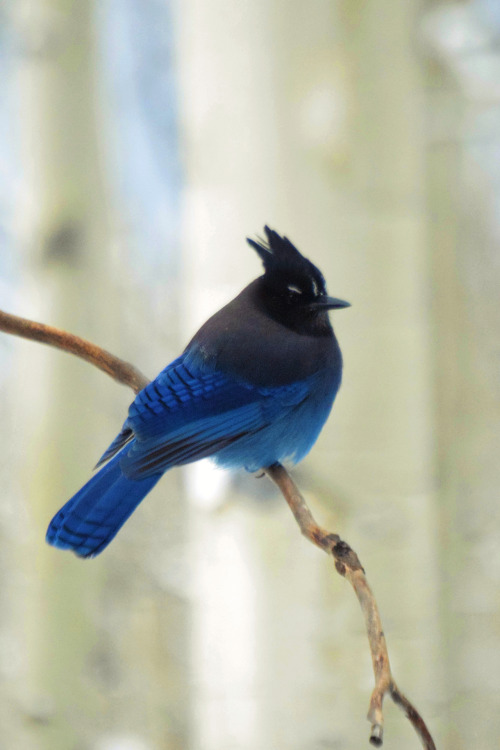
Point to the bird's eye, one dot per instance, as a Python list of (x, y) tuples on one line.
[(294, 289)]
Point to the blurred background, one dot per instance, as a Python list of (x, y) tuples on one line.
[(140, 142)]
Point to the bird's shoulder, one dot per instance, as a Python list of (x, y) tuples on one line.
[(181, 383)]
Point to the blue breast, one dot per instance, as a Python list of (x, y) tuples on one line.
[(292, 434)]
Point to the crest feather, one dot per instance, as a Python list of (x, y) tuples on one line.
[(276, 250), (284, 263)]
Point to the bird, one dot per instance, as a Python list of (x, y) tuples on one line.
[(252, 388)]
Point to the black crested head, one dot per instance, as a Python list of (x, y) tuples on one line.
[(287, 272), (277, 330), (292, 290)]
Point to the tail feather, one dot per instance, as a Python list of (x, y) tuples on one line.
[(124, 437), (91, 518)]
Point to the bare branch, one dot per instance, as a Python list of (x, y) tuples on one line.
[(116, 368), (346, 560), (348, 565)]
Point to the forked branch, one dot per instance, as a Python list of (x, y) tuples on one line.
[(347, 562), (348, 565)]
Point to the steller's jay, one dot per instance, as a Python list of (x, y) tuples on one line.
[(253, 387)]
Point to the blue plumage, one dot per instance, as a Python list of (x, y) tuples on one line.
[(89, 521), (254, 387)]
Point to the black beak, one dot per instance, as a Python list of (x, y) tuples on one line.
[(328, 303)]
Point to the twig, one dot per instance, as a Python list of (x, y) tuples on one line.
[(346, 560), (116, 368), (348, 565)]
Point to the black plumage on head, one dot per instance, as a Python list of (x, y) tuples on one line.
[(285, 267)]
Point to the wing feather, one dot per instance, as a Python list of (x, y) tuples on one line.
[(189, 413)]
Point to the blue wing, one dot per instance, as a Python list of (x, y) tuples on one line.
[(190, 412)]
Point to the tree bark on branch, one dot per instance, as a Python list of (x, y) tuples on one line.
[(346, 560)]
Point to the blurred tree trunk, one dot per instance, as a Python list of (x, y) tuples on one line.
[(464, 241), (311, 121), (99, 635), (66, 279)]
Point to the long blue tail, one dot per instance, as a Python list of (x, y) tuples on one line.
[(90, 520)]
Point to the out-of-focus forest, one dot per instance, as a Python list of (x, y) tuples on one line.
[(140, 142)]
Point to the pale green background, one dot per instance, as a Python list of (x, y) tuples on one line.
[(367, 131)]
